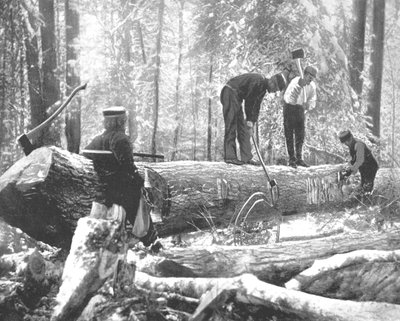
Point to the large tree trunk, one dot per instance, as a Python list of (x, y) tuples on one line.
[(376, 69), (274, 263), (73, 113), (157, 76), (356, 61), (46, 192), (50, 83)]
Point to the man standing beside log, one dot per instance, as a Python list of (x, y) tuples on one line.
[(250, 87), (299, 96), (362, 160), (121, 183)]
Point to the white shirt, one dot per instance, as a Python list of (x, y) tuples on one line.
[(294, 94)]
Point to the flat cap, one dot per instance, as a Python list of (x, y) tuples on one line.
[(114, 111), (345, 135), (311, 70)]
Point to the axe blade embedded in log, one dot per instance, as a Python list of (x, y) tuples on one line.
[(24, 139)]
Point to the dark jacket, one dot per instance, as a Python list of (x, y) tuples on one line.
[(251, 88), (120, 179), (369, 163)]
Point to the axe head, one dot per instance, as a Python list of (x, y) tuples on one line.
[(298, 53), (26, 144)]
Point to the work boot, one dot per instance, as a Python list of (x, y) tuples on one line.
[(300, 162), (253, 162), (292, 163), (234, 161)]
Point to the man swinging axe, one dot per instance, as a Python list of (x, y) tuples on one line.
[(300, 96)]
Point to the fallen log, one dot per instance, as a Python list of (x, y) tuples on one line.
[(46, 192), (273, 263), (248, 289), (364, 275)]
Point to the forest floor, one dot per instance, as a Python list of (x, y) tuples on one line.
[(141, 304)]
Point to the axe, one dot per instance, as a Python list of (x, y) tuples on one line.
[(24, 139), (297, 55)]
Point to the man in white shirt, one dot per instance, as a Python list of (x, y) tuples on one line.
[(300, 96)]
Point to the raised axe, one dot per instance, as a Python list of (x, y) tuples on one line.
[(24, 139), (297, 55)]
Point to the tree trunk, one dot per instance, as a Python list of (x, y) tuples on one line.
[(157, 77), (209, 126), (54, 186), (73, 112), (376, 69), (273, 263), (178, 118), (57, 187), (37, 112), (50, 83), (356, 61)]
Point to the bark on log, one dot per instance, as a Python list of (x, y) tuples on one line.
[(363, 275), (273, 263), (248, 289), (46, 192)]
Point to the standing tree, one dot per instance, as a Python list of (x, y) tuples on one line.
[(37, 110), (157, 76), (73, 113), (377, 46), (50, 83), (178, 81), (357, 42)]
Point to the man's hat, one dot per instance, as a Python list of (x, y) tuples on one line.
[(345, 135), (311, 70), (114, 111)]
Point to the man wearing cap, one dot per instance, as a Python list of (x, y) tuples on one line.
[(300, 96), (120, 181), (250, 88), (362, 160)]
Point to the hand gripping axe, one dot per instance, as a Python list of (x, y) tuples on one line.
[(297, 55), (24, 139)]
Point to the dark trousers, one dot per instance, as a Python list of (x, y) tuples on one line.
[(122, 190), (367, 178), (235, 126), (293, 123)]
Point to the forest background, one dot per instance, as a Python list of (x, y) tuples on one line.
[(167, 60)]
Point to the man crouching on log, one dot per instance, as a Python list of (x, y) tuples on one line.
[(121, 183)]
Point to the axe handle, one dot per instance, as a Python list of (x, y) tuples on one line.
[(56, 113), (298, 64)]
